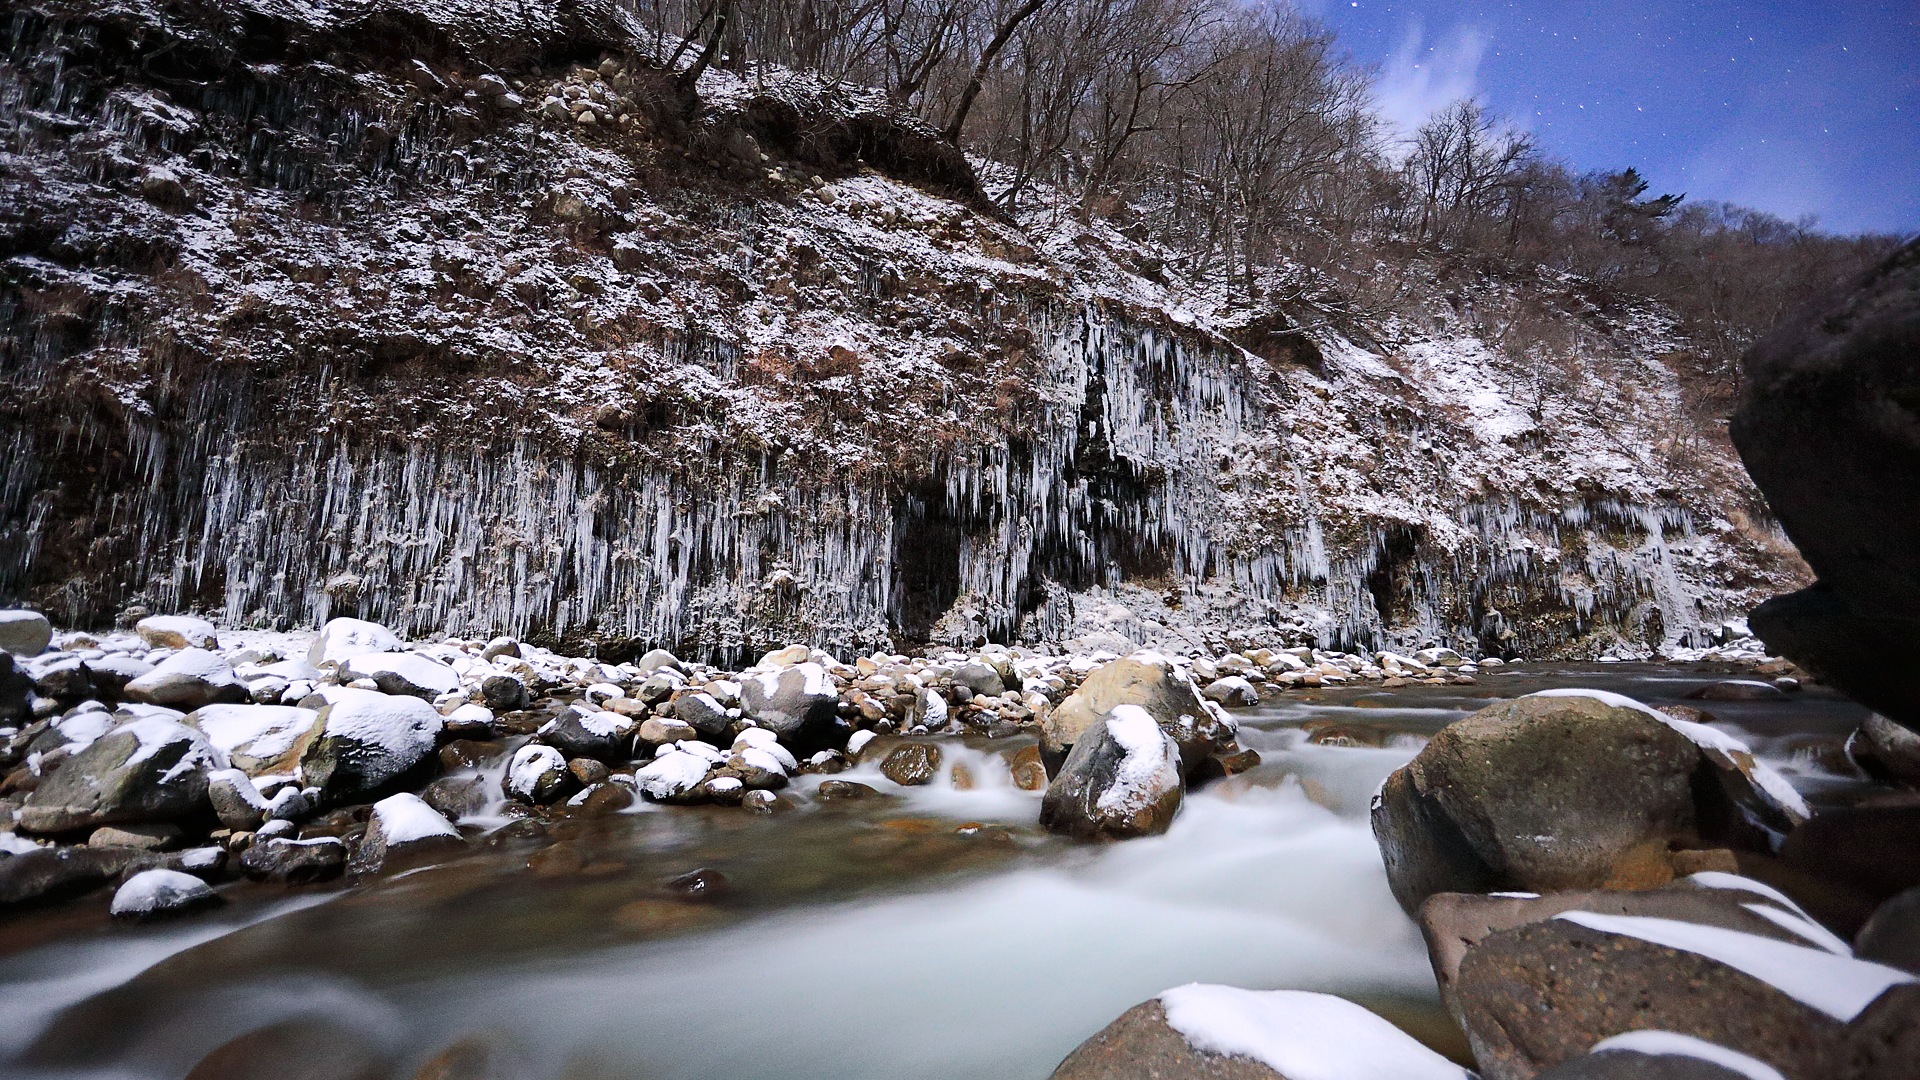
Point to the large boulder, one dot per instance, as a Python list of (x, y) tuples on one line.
[(1122, 779), (1537, 995), (1453, 923), (1554, 792), (1827, 426), (403, 832), (1153, 683), (797, 703), (143, 770), (1204, 1032), (188, 680), (367, 742), (403, 673), (342, 639), (177, 632), (1892, 935), (538, 775), (49, 874), (260, 740), (24, 633), (295, 862)]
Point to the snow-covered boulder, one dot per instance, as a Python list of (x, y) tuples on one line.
[(1232, 691), (654, 660), (154, 894), (177, 632), (342, 639), (402, 830), (261, 740), (675, 776), (403, 673), (143, 770), (188, 680), (798, 703), (367, 741), (1153, 683), (24, 633), (1122, 779), (537, 774), (581, 731), (1207, 1032)]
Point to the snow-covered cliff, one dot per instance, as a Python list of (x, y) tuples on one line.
[(296, 322)]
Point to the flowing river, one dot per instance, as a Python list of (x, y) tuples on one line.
[(935, 933)]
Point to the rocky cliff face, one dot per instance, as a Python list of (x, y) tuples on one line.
[(469, 318)]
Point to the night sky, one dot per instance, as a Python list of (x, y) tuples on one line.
[(1793, 108)]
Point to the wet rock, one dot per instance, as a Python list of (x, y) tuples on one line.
[(912, 764), (702, 884), (603, 799), (591, 733), (839, 790), (157, 836), (259, 740), (24, 633), (537, 775), (471, 753), (48, 874), (1825, 427), (588, 771), (1738, 690), (177, 632), (1861, 853), (1886, 751), (302, 1049), (159, 894), (342, 639), (188, 680), (703, 711), (403, 832), (767, 802), (143, 770), (403, 673), (294, 862), (1024, 766), (368, 742), (1232, 691), (797, 703), (504, 693), (1122, 779), (1148, 681), (1204, 1032), (456, 797), (1542, 793)]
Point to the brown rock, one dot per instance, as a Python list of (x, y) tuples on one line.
[(294, 1050), (912, 764)]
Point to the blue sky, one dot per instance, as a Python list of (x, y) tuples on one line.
[(1794, 108)]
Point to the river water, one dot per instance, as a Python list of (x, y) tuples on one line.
[(933, 933)]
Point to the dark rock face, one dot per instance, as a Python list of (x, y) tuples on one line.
[(1892, 935), (1829, 427), (294, 862), (1141, 1044)]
